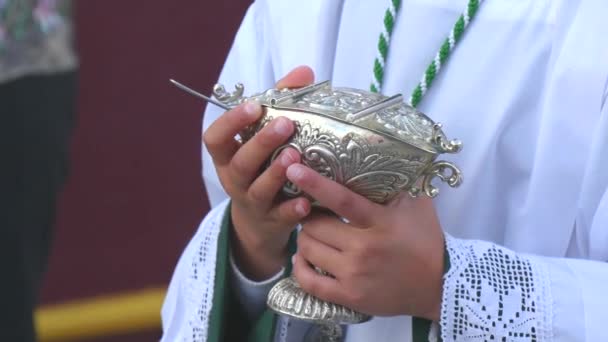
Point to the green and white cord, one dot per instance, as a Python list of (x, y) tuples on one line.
[(390, 15), (440, 58)]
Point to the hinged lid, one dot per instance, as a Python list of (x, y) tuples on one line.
[(385, 115)]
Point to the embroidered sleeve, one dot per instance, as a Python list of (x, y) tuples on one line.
[(494, 294)]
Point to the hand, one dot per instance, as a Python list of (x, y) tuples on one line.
[(388, 260), (261, 223)]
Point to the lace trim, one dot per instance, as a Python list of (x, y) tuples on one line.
[(201, 277), (492, 293)]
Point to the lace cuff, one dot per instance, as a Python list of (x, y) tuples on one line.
[(492, 293)]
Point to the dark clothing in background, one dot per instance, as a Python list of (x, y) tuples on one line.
[(36, 119)]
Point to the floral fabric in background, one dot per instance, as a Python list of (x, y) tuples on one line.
[(35, 37), (20, 19)]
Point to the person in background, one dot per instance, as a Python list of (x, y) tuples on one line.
[(37, 105)]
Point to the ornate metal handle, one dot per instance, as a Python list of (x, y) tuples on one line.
[(445, 171)]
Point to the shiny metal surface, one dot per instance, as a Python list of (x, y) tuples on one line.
[(288, 298), (377, 146)]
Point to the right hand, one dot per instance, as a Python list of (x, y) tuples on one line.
[(261, 223)]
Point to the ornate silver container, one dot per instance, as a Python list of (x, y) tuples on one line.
[(375, 145)]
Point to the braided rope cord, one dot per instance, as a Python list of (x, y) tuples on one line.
[(440, 58), (383, 44)]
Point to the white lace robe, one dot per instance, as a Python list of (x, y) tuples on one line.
[(525, 91)]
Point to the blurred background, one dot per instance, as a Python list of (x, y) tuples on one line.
[(134, 194)]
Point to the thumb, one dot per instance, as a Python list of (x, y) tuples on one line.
[(296, 78)]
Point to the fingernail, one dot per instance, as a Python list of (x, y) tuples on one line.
[(286, 159), (282, 127), (300, 209), (295, 172), (253, 109)]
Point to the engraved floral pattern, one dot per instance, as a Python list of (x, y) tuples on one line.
[(350, 161), (406, 122), (371, 169), (339, 102)]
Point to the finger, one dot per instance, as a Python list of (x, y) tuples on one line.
[(265, 188), (248, 160), (330, 230), (325, 288), (296, 78), (320, 254), (333, 196), (219, 137), (291, 211)]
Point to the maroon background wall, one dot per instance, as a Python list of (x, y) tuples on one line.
[(135, 194)]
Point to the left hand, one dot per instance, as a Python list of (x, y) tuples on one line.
[(388, 260)]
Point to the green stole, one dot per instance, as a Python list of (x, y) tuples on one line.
[(228, 321)]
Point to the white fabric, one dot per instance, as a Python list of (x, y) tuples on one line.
[(185, 312), (493, 293), (525, 92), (252, 294)]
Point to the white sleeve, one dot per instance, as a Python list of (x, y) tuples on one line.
[(492, 293), (187, 306), (252, 294), (248, 62)]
